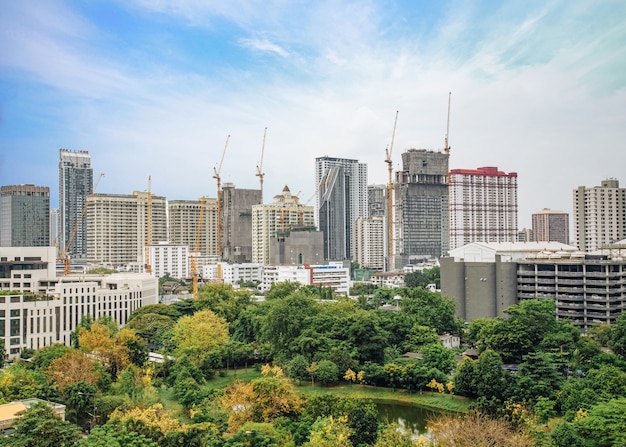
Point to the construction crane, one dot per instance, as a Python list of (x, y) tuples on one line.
[(149, 228), (194, 257), (259, 167), (63, 256), (216, 176), (447, 147), (389, 162)]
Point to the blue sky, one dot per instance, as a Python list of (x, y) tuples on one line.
[(153, 88)]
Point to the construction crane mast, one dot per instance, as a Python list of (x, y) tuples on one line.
[(447, 146), (149, 228), (259, 167), (389, 162), (63, 256), (216, 175), (194, 257)]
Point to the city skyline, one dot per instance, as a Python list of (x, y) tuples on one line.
[(153, 89)]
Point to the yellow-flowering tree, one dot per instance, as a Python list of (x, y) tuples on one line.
[(194, 336)]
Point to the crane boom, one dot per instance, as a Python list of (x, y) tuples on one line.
[(448, 125), (149, 228), (216, 176), (259, 167), (389, 162), (63, 253), (194, 257)]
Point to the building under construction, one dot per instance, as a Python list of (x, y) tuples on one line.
[(236, 220), (421, 205)]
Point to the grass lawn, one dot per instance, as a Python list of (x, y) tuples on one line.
[(427, 399)]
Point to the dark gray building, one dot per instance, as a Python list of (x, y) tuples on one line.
[(75, 185), (297, 247), (421, 206), (24, 216), (236, 222)]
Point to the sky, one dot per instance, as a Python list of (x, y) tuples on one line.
[(154, 88)]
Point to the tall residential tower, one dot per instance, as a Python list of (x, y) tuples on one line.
[(341, 189), (75, 184), (599, 215), (483, 206), (550, 226)]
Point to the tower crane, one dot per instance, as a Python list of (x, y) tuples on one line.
[(388, 152), (216, 175), (194, 257), (149, 228), (63, 256), (447, 147), (259, 167)]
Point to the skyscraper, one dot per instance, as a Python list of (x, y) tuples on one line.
[(25, 216), (550, 226), (599, 215), (483, 206), (75, 184), (183, 220), (341, 187), (236, 222), (421, 207)]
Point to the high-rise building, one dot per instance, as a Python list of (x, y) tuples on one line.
[(24, 216), (369, 246), (599, 215), (550, 226), (277, 219), (75, 185), (169, 259), (483, 206), (117, 227), (341, 187), (183, 220), (55, 226), (377, 200), (236, 222), (421, 207)]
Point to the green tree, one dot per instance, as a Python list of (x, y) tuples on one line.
[(565, 434), (604, 424), (330, 432), (40, 427), (115, 435), (617, 342), (600, 333), (431, 309), (435, 355), (297, 368), (327, 372), (198, 334), (223, 300)]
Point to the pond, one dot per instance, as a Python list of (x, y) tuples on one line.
[(411, 418)]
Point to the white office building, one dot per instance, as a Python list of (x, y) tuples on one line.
[(172, 259)]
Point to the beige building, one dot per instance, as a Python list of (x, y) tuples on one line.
[(280, 216), (183, 220), (369, 242), (599, 215), (550, 225), (117, 227)]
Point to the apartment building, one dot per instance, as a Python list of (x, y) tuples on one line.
[(550, 225), (369, 242), (24, 216), (183, 221)]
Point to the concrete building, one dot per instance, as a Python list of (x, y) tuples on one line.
[(369, 242), (485, 279), (297, 246), (172, 259), (341, 186), (550, 225), (277, 219), (333, 275), (236, 210), (599, 215), (183, 219), (75, 185), (421, 207), (44, 309), (117, 227), (24, 216), (232, 274), (483, 206), (55, 226), (377, 200)]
